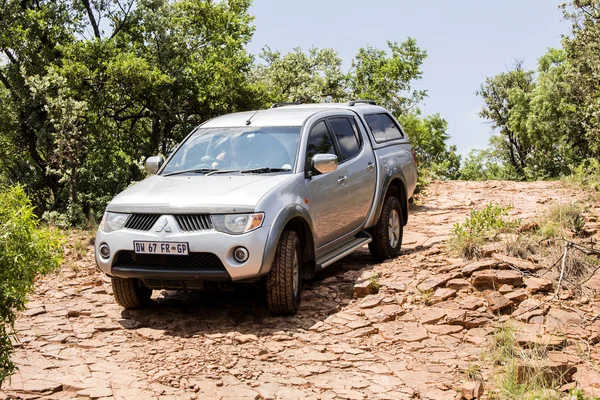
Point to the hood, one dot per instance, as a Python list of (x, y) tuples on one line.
[(196, 194)]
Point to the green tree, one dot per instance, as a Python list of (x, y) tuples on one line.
[(582, 49), (389, 79), (312, 77), (88, 100), (429, 137), (506, 99)]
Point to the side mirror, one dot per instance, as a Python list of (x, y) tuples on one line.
[(154, 163), (324, 163)]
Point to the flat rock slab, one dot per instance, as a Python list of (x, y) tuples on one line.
[(39, 386), (498, 303), (479, 266), (523, 265), (96, 393), (550, 372), (530, 340), (430, 315), (492, 279), (535, 285), (458, 284), (442, 294), (403, 331), (517, 296)]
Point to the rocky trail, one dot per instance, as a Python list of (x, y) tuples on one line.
[(408, 328)]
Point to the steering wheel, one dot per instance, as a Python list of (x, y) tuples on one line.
[(206, 163)]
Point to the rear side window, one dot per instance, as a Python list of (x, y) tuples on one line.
[(345, 132), (383, 127), (319, 142)]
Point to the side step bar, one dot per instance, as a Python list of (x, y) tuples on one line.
[(341, 252)]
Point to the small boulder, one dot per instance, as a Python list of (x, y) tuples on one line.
[(535, 285), (458, 284), (517, 296), (472, 390), (364, 288), (504, 289), (550, 372), (509, 277), (498, 303)]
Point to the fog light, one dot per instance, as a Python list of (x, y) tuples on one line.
[(241, 254), (104, 250)]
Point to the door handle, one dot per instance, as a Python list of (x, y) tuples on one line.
[(342, 179), (370, 166)]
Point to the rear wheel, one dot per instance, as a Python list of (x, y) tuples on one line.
[(130, 293), (387, 234), (283, 281)]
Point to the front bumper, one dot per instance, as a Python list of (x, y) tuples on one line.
[(197, 266)]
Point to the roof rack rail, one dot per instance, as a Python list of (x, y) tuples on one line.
[(353, 102), (289, 103)]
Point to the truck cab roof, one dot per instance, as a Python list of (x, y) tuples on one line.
[(287, 115)]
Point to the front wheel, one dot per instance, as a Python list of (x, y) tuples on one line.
[(130, 293), (387, 234), (283, 281)]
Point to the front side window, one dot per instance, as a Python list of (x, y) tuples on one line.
[(319, 142), (346, 134), (383, 127), (236, 149)]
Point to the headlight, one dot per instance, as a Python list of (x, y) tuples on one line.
[(236, 224), (113, 221)]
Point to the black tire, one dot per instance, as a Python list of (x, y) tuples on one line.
[(282, 297), (130, 293), (381, 247)]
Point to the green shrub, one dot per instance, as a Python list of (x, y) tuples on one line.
[(586, 175), (25, 252), (479, 227)]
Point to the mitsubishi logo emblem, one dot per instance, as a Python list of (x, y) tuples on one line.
[(165, 226)]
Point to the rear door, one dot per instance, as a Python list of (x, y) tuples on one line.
[(328, 192), (358, 160)]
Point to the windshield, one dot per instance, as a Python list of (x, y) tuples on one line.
[(251, 149)]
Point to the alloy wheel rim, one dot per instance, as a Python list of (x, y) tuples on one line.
[(394, 228)]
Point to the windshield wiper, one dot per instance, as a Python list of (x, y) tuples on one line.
[(223, 171), (264, 170), (189, 171)]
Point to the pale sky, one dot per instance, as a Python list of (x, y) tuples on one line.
[(466, 41)]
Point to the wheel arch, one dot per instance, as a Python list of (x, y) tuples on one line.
[(297, 219), (397, 189)]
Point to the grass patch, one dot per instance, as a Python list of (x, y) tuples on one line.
[(522, 373), (374, 284), (81, 247), (521, 246), (426, 295), (480, 227), (473, 373)]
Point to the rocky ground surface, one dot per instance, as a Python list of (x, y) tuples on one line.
[(408, 328)]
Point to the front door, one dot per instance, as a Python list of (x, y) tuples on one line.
[(328, 192)]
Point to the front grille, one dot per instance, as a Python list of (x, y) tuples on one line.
[(141, 222), (194, 222), (191, 262)]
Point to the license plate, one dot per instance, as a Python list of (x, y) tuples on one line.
[(169, 248)]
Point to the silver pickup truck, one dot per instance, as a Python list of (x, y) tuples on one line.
[(275, 194)]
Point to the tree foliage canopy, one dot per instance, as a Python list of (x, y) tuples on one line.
[(90, 87), (547, 122)]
